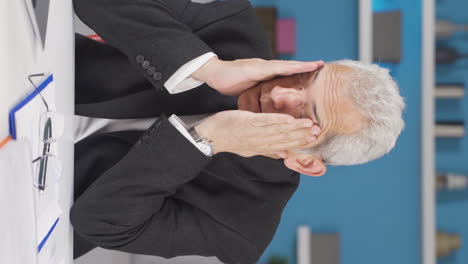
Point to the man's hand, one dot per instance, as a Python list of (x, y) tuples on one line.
[(234, 77), (248, 134)]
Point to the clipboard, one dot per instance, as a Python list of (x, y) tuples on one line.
[(16, 108), (24, 124), (11, 116)]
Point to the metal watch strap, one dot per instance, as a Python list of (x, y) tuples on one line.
[(205, 145), (194, 134)]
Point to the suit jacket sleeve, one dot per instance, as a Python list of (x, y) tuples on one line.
[(151, 33), (130, 208)]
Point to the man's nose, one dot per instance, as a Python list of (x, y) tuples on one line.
[(286, 98)]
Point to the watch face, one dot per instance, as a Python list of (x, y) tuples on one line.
[(206, 148)]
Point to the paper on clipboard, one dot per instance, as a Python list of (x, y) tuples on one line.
[(46, 234), (27, 118), (26, 125), (18, 228)]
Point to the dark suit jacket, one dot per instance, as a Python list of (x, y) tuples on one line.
[(153, 192)]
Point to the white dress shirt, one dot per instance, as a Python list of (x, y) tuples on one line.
[(180, 81)]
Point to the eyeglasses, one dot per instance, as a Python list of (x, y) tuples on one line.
[(47, 167)]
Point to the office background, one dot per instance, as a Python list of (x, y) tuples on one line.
[(374, 207)]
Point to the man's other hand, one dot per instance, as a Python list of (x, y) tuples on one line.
[(234, 77), (248, 134)]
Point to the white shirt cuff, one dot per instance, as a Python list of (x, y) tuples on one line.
[(181, 80), (182, 127)]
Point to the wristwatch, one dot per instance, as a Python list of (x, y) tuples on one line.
[(205, 145)]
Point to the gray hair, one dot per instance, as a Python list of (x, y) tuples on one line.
[(377, 98)]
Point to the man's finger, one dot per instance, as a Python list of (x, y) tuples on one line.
[(261, 70), (281, 154), (276, 155), (294, 67), (306, 134), (290, 145), (275, 69), (268, 119), (299, 63), (288, 127)]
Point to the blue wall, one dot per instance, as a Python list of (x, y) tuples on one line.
[(452, 154), (375, 207)]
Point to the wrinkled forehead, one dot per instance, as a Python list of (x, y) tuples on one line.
[(339, 105), (350, 119), (336, 72)]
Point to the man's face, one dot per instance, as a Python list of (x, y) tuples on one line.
[(318, 96)]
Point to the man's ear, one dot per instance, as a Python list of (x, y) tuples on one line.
[(308, 165)]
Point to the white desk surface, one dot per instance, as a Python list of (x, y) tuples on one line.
[(18, 54)]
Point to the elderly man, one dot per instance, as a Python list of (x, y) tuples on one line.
[(357, 106), (208, 182)]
